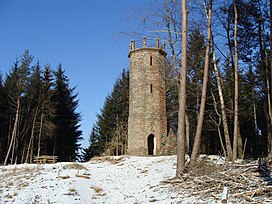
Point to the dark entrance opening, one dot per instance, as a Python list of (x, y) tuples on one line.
[(150, 144)]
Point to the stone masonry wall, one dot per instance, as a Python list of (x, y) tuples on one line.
[(147, 103)]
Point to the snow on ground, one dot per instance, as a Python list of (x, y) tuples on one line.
[(103, 180)]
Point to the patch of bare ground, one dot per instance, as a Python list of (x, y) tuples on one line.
[(206, 180), (74, 165), (110, 159)]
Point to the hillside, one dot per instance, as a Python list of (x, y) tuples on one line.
[(121, 180)]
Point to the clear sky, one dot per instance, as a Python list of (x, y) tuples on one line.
[(83, 35)]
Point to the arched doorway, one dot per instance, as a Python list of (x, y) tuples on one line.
[(151, 144)]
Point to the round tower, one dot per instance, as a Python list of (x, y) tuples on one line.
[(147, 98)]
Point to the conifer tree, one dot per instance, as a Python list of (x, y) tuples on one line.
[(94, 148), (16, 85), (3, 121), (46, 124), (109, 134), (67, 133), (32, 112), (114, 113)]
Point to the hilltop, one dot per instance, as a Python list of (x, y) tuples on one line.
[(132, 179)]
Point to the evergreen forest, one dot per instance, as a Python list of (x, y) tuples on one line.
[(37, 113)]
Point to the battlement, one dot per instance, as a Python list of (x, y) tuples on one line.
[(147, 44)]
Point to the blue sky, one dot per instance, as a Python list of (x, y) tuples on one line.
[(83, 35)]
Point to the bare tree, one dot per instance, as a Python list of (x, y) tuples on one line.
[(222, 102), (269, 89), (236, 122), (14, 131), (197, 139), (181, 137)]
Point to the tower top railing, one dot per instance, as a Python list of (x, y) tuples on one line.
[(147, 44)]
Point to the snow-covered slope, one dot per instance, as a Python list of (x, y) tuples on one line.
[(102, 180)]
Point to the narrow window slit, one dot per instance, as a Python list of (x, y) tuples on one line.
[(150, 60)]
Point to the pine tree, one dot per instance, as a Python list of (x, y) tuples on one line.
[(94, 148), (67, 133), (46, 123), (32, 113), (109, 134), (3, 121), (16, 85)]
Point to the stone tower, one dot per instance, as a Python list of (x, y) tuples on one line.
[(147, 98)]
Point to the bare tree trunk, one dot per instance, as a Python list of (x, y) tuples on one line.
[(236, 122), (223, 109), (240, 147), (13, 149), (269, 88), (40, 135), (55, 145), (10, 130), (255, 124), (31, 141), (218, 125), (187, 129), (23, 154), (174, 58), (14, 131), (182, 95), (197, 139), (269, 133)]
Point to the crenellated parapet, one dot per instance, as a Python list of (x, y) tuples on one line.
[(147, 99)]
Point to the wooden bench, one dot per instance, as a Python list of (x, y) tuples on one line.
[(45, 159)]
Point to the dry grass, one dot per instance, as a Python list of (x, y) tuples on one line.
[(99, 191), (16, 178), (72, 192), (23, 185), (8, 196), (74, 165), (110, 159), (10, 183), (18, 172), (72, 189), (145, 170)]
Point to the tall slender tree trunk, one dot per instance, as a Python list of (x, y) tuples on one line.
[(268, 82), (218, 125), (23, 154), (187, 129), (269, 91), (55, 145), (31, 141), (13, 149), (236, 88), (14, 131), (181, 140), (269, 125), (40, 135), (223, 109), (197, 140), (255, 125)]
